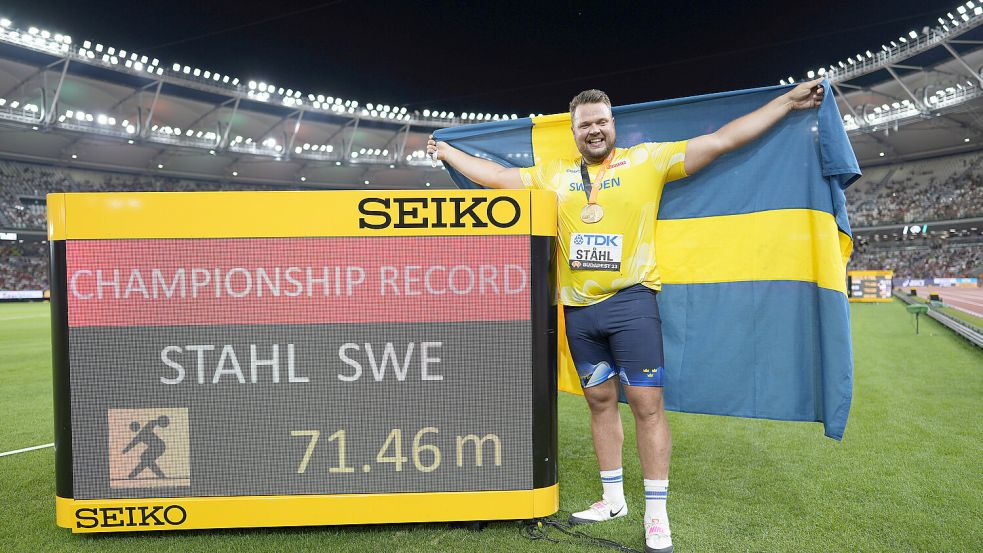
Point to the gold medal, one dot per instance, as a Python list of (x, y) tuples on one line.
[(591, 213)]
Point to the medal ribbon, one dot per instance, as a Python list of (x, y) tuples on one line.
[(589, 190)]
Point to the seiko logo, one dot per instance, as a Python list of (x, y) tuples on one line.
[(143, 516), (436, 212)]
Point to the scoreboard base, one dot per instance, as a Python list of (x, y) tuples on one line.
[(195, 513)]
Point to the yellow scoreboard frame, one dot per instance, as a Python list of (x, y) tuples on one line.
[(852, 275), (112, 216)]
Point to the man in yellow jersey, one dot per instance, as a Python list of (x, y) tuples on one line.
[(608, 200)]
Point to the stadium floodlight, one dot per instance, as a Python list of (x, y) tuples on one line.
[(977, 11), (4, 22), (391, 166), (822, 71), (881, 154), (354, 155), (366, 182), (111, 51), (965, 140), (329, 148), (160, 165), (965, 17), (912, 34), (303, 179), (176, 67), (75, 156), (426, 113), (196, 72), (186, 69), (128, 63), (98, 47), (33, 30), (385, 152), (961, 9), (235, 81), (337, 163)]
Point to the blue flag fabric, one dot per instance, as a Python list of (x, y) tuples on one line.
[(752, 252)]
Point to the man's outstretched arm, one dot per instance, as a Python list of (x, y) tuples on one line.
[(484, 172), (702, 150)]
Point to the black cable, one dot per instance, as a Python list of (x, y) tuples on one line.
[(538, 529)]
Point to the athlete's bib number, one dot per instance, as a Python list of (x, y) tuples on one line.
[(595, 252)]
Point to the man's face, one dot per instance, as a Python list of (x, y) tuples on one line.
[(593, 131)]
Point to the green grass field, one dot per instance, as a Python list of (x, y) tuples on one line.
[(907, 477)]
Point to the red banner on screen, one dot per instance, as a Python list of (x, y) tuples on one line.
[(297, 280)]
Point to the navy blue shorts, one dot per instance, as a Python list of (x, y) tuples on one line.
[(621, 336)]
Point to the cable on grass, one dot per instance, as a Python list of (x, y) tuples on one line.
[(539, 529)]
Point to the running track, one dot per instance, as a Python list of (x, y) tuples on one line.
[(969, 300)]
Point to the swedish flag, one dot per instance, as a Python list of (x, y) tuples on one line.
[(752, 251)]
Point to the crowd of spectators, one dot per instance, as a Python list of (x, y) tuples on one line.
[(921, 191), (944, 188), (23, 266), (927, 260), (23, 187)]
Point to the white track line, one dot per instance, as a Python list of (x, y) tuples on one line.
[(19, 317), (43, 446)]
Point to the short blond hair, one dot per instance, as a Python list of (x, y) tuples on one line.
[(592, 96)]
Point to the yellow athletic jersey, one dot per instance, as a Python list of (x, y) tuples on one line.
[(629, 195)]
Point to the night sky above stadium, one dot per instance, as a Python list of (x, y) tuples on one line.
[(505, 56)]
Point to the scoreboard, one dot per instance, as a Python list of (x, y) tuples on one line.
[(302, 358), (870, 286)]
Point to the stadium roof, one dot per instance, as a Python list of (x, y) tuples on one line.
[(92, 105)]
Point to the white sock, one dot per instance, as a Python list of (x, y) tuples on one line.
[(656, 493), (614, 489)]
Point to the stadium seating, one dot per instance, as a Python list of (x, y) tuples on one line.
[(926, 260), (916, 192), (24, 267), (922, 191)]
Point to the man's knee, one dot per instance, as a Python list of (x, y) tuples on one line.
[(646, 403), (603, 397)]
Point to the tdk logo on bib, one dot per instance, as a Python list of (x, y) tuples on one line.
[(595, 252), (598, 239)]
